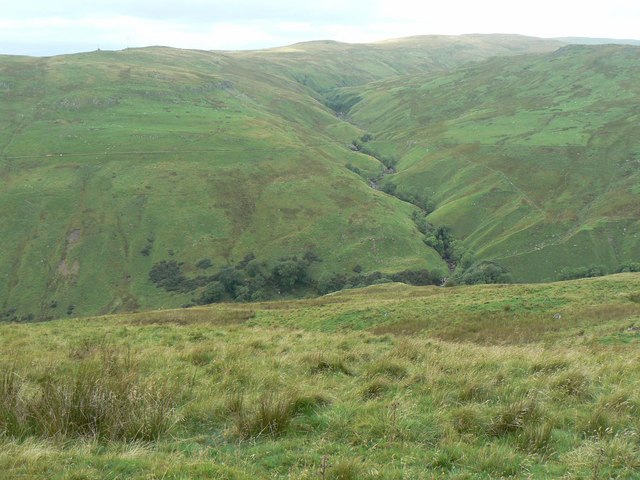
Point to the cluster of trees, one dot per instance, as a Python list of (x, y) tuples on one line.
[(341, 281), (360, 145), (441, 239), (597, 271), (249, 279), (466, 269), (255, 280), (485, 271)]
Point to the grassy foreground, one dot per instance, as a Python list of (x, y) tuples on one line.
[(521, 381)]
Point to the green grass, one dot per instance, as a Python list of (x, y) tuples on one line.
[(101, 152), (486, 383), (113, 161), (531, 160)]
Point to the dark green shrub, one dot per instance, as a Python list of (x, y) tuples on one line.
[(213, 293), (167, 275), (582, 272), (204, 263), (245, 261), (629, 267), (332, 284), (289, 273), (418, 277), (484, 272), (231, 279)]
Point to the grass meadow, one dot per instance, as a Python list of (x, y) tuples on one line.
[(389, 382)]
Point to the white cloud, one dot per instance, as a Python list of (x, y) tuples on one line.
[(78, 25)]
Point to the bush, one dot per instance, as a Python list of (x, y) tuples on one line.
[(582, 272), (388, 188), (484, 272), (231, 279), (289, 273), (442, 241), (245, 261), (418, 277), (204, 263), (629, 267), (332, 284), (167, 275), (213, 293)]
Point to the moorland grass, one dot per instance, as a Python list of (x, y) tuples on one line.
[(278, 397)]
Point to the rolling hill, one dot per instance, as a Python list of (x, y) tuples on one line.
[(532, 161), (114, 161)]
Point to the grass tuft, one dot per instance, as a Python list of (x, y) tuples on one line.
[(271, 414), (103, 400), (376, 388), (537, 438), (388, 368), (322, 363), (572, 383), (345, 469), (513, 417)]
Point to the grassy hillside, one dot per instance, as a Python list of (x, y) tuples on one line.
[(322, 66), (387, 382), (532, 160), (106, 153), (113, 161)]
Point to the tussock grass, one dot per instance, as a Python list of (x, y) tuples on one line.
[(514, 417), (376, 388), (572, 383), (322, 363), (104, 399), (387, 367), (270, 414), (270, 399), (468, 419), (345, 469)]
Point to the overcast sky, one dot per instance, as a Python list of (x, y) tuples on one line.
[(47, 27)]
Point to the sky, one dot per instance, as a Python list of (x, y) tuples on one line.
[(45, 27)]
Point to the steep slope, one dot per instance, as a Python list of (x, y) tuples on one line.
[(114, 161), (532, 161)]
